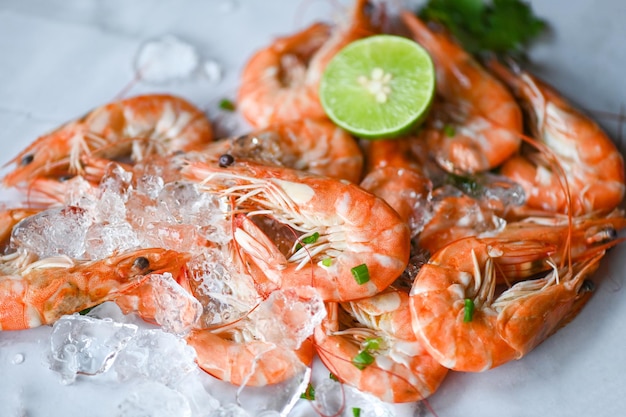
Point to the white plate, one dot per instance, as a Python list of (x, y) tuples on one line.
[(60, 58)]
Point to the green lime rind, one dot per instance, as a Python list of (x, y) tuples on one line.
[(351, 106)]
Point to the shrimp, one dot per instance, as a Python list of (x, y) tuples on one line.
[(475, 123), (370, 345), (280, 82), (593, 166), (342, 228), (43, 291), (466, 327), (396, 178), (312, 145), (248, 352), (133, 127)]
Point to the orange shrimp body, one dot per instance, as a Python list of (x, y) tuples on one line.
[(475, 124), (466, 327), (43, 291), (396, 178), (280, 82), (133, 127), (312, 145), (341, 227), (592, 164), (253, 363), (400, 370)]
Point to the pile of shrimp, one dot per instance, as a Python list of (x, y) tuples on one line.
[(458, 247)]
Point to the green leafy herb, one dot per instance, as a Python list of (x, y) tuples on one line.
[(500, 26), (356, 411), (363, 359), (227, 105), (469, 310), (309, 393), (449, 130), (361, 274), (327, 262), (333, 377)]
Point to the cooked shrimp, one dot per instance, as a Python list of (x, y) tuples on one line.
[(370, 345), (593, 166), (133, 127), (249, 352), (466, 327), (41, 292), (343, 229), (395, 177), (475, 123), (312, 145), (280, 82)]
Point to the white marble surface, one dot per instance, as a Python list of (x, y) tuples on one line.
[(60, 58)]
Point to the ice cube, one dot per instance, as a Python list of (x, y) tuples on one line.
[(226, 293), (177, 311), (56, 231), (103, 240), (155, 400), (229, 410), (158, 356), (86, 345), (166, 59), (212, 70), (288, 317)]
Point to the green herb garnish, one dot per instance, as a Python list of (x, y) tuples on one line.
[(363, 360), (356, 411), (449, 130), (309, 239), (500, 26), (309, 393), (333, 377), (372, 343), (227, 105), (327, 262), (468, 310), (361, 274)]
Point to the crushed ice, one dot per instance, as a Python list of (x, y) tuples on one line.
[(166, 59)]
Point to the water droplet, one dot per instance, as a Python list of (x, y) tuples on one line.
[(18, 359)]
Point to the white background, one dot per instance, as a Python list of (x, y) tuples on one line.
[(60, 58)]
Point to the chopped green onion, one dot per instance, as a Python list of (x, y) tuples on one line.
[(327, 261), (333, 377), (449, 130), (363, 359), (226, 104), (361, 274), (309, 239), (469, 310), (356, 411), (309, 393), (372, 343)]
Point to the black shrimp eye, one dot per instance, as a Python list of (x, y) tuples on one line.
[(587, 286), (141, 263), (226, 160), (27, 159)]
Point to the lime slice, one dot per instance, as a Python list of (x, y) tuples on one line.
[(378, 87)]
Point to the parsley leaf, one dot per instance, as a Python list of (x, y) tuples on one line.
[(499, 26)]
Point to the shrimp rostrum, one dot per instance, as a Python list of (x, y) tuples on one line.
[(347, 243)]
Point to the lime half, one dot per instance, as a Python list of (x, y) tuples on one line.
[(378, 87)]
